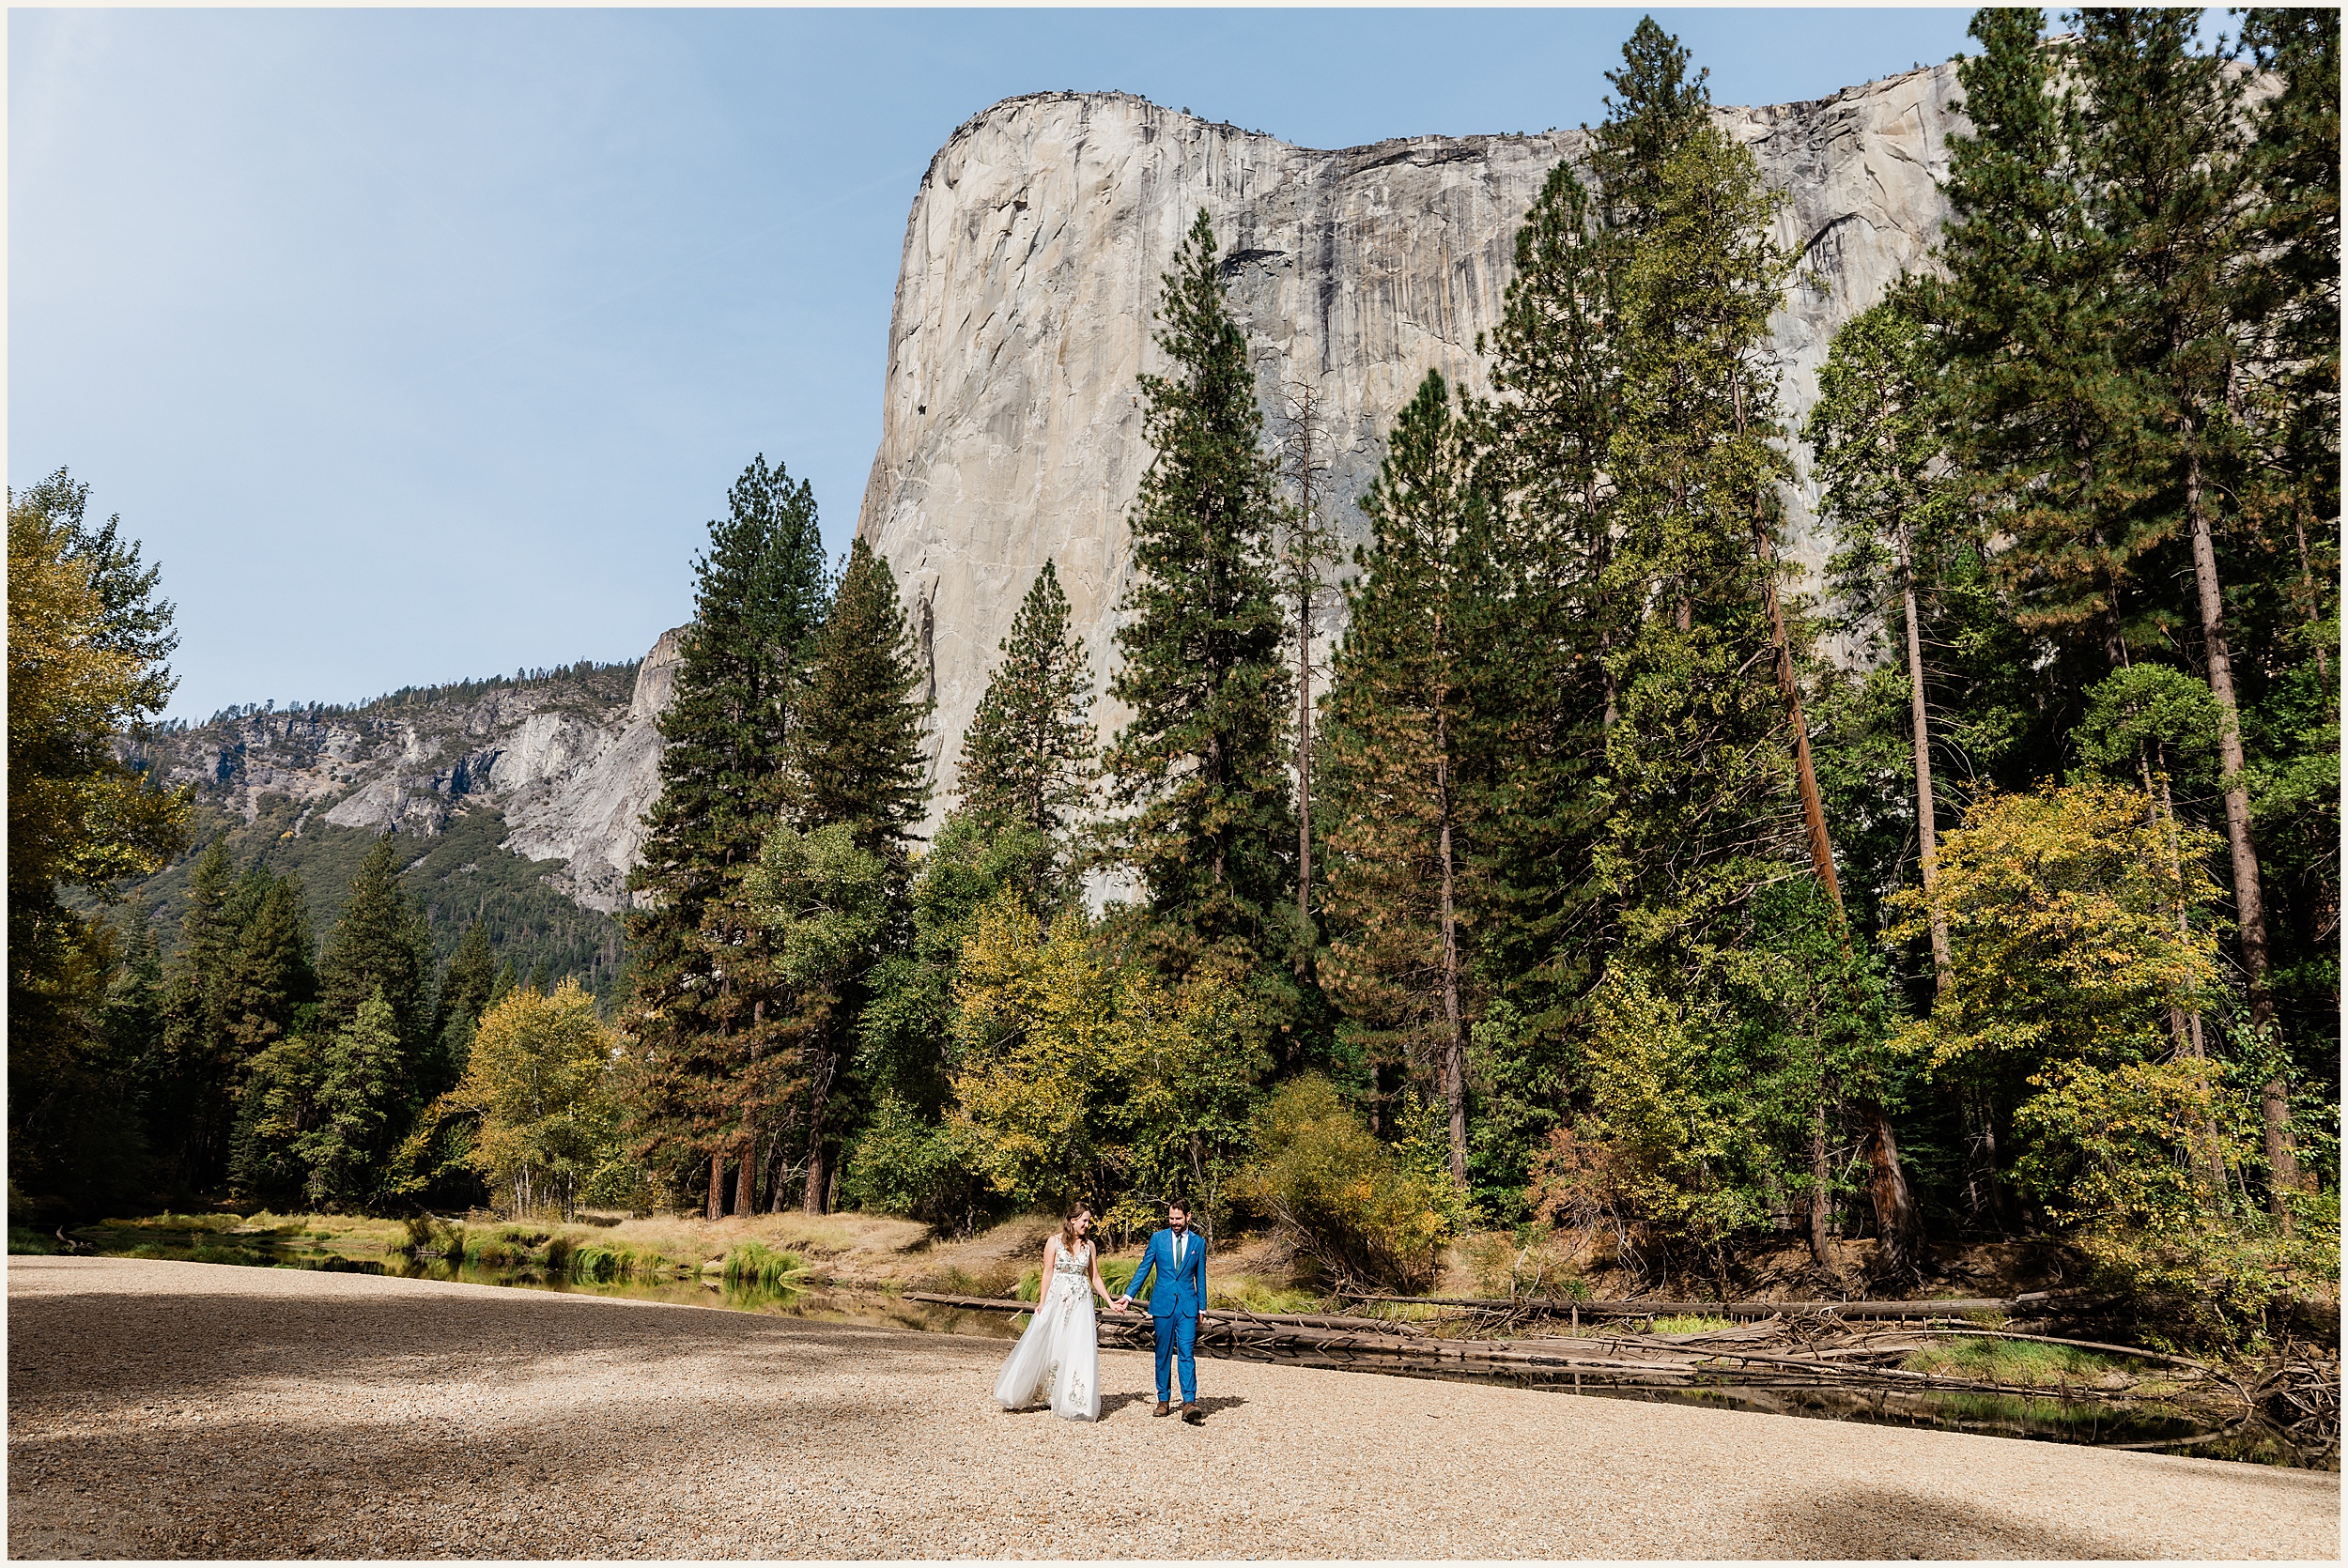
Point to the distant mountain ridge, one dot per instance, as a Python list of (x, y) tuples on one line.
[(571, 761)]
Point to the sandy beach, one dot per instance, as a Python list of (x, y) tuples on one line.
[(180, 1410)]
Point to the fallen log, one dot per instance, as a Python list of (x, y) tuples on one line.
[(1669, 1362), (1214, 1315), (1558, 1305)]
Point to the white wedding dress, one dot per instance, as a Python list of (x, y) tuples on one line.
[(1058, 1361)]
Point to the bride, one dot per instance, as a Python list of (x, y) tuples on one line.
[(1058, 1360)]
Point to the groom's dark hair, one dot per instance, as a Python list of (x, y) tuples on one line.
[(1173, 1203)]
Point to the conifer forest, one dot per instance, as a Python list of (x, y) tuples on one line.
[(1609, 881)]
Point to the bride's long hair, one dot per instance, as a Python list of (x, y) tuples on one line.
[(1069, 1241)]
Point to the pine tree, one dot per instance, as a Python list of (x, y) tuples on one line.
[(361, 1086), (706, 1009), (1201, 765), (2175, 196), (1550, 693), (197, 1075), (1027, 757), (1401, 762), (1658, 109), (855, 765), (2290, 297), (379, 946), (2282, 589), (2040, 414), (856, 754), (1881, 466), (1306, 548), (270, 980), (1697, 758), (466, 987)]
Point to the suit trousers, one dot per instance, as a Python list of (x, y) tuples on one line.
[(1178, 1335)]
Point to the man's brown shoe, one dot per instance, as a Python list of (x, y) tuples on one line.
[(1163, 1408), (1190, 1413)]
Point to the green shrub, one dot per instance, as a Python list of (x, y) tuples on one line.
[(208, 1252), (26, 1242), (755, 1264), (1257, 1297), (598, 1262), (1365, 1211), (2217, 1285), (902, 1164), (2023, 1362), (1118, 1274)]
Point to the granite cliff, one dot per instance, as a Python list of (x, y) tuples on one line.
[(1010, 427), (568, 762), (1011, 432)]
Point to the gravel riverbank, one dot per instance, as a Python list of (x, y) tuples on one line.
[(178, 1409)]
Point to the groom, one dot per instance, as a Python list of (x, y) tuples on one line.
[(1180, 1256)]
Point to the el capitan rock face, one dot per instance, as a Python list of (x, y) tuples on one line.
[(1011, 424)]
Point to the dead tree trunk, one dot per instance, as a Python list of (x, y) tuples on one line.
[(1821, 1235), (1453, 1039), (1304, 465), (1928, 840), (1895, 1207), (2282, 1170)]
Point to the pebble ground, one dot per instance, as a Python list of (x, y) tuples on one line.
[(181, 1409)]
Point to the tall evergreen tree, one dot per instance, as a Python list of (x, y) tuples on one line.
[(2041, 416), (706, 1007), (270, 979), (1882, 469), (1697, 758), (466, 984), (1660, 107), (1306, 548), (855, 753), (379, 946), (361, 1085), (2283, 585), (855, 765), (2291, 294), (1027, 757), (1030, 757), (1201, 764), (1403, 766), (194, 1093), (1551, 689)]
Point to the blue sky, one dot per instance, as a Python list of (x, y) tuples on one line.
[(422, 344)]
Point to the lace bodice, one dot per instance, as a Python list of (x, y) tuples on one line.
[(1078, 1262)]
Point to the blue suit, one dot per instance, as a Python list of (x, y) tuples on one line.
[(1174, 1304)]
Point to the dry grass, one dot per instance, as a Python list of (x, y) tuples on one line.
[(867, 1251)]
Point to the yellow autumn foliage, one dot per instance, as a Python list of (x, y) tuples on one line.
[(1074, 1077)]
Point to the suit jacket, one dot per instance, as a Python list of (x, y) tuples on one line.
[(1179, 1291)]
